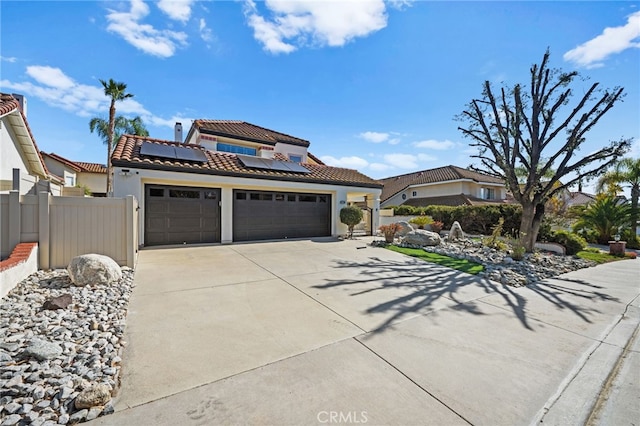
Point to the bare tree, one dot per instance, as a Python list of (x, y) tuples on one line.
[(538, 129)]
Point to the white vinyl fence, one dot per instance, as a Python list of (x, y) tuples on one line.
[(65, 227)]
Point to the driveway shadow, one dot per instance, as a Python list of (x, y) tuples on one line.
[(425, 283)]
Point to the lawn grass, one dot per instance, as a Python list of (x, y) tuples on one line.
[(599, 257), (450, 262)]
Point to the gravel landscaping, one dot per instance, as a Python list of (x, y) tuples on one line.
[(60, 365)]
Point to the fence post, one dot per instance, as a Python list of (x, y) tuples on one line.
[(130, 235), (16, 180), (44, 200), (14, 219)]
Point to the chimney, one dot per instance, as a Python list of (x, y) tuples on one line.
[(178, 132), (22, 101)]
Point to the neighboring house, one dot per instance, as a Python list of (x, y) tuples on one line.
[(78, 175), (577, 198), (234, 181), (448, 186), (21, 165)]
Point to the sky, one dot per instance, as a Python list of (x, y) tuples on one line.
[(373, 85)]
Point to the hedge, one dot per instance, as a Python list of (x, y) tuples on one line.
[(472, 219)]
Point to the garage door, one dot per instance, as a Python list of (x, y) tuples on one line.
[(260, 215), (179, 215)]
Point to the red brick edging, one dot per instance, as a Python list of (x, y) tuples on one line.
[(19, 255)]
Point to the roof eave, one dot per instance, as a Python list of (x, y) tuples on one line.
[(27, 144)]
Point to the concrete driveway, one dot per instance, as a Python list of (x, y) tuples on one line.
[(323, 331)]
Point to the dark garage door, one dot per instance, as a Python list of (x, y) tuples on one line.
[(177, 215), (260, 215)]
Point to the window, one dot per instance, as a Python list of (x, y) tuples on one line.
[(307, 198), (183, 193), (210, 195), (69, 180), (156, 192), (295, 158), (404, 196), (414, 193), (322, 198), (488, 193), (241, 195), (254, 196), (236, 149), (279, 197), (291, 197)]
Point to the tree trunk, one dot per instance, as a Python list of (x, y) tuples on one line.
[(526, 226), (635, 194), (112, 125)]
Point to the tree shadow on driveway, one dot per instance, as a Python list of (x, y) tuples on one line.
[(422, 284)]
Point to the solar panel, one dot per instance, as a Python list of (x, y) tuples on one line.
[(280, 166), (190, 154), (157, 150), (253, 162), (296, 168)]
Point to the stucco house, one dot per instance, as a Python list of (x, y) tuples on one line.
[(448, 186), (234, 181), (78, 175), (21, 165)]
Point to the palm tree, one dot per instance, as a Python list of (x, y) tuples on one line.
[(117, 92), (626, 172), (605, 216), (122, 126)]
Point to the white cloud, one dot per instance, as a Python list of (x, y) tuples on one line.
[(320, 23), (612, 40), (434, 144), (205, 32), (352, 162), (11, 59), (400, 4), (179, 10), (379, 167), (162, 43), (58, 90), (407, 161), (394, 141), (375, 137)]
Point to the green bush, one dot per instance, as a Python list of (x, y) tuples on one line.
[(473, 219), (633, 241), (572, 243), (351, 216), (422, 221)]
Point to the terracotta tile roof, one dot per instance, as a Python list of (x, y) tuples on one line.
[(396, 184), (92, 167), (9, 104), (78, 166), (450, 200), (245, 131), (578, 198), (127, 154)]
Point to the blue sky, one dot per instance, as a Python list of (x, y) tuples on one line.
[(372, 85)]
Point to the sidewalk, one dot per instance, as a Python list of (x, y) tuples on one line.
[(390, 340)]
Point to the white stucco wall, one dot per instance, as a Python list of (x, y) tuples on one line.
[(133, 184), (57, 168), (287, 150), (445, 188), (96, 182)]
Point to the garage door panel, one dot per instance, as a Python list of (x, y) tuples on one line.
[(275, 215), (176, 215)]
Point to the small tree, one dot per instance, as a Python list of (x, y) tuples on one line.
[(626, 172), (605, 216), (534, 130), (351, 216)]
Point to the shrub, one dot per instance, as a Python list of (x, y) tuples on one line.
[(351, 216), (422, 221), (389, 231), (436, 226), (573, 243), (631, 254), (606, 216), (632, 240), (493, 240), (517, 249)]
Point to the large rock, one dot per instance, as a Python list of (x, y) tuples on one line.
[(42, 350), (93, 269), (422, 238), (93, 396), (404, 228), (456, 232), (60, 302)]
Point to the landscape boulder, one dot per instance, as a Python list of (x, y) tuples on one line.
[(422, 238), (93, 269), (403, 228), (456, 232), (42, 349), (93, 396), (60, 302)]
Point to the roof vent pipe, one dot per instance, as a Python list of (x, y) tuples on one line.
[(178, 132)]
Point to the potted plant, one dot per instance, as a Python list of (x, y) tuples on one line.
[(389, 231)]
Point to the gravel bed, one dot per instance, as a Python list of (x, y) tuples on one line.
[(48, 357), (501, 267)]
